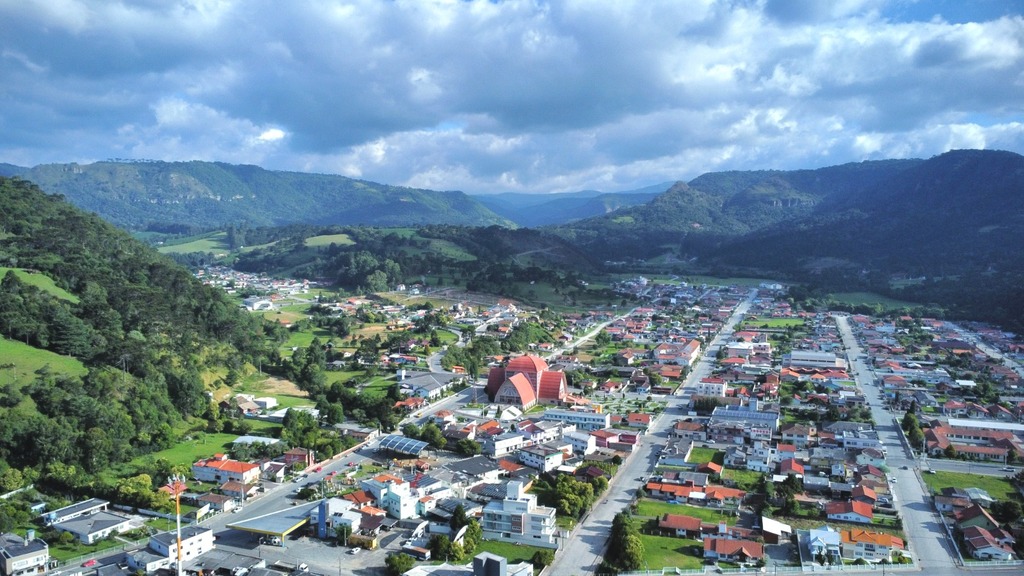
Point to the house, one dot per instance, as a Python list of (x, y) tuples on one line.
[(217, 502), (238, 490), (23, 556), (790, 467), (638, 420), (975, 515), (852, 511), (75, 510), (680, 525), (983, 544), (721, 496), (861, 493), (220, 469), (728, 549), (871, 546), (518, 518), (689, 430), (824, 543), (91, 528)]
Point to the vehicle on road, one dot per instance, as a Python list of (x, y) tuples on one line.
[(319, 469), (90, 563), (1007, 468), (354, 551)]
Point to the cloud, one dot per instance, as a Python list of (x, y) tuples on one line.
[(518, 95)]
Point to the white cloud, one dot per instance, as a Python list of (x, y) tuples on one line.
[(520, 95)]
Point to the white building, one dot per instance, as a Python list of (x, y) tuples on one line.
[(23, 556), (518, 518), (813, 359), (221, 469), (504, 444), (582, 420), (195, 540), (711, 387), (541, 457), (582, 442)]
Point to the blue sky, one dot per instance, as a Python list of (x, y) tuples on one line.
[(526, 96)]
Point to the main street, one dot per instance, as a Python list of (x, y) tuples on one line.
[(928, 541), (584, 547)]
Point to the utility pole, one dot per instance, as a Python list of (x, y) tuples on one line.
[(177, 486)]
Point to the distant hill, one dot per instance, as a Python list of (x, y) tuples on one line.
[(532, 210), (177, 196), (946, 230)]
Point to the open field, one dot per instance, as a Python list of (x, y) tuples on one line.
[(668, 552), (744, 479), (328, 239), (773, 323), (20, 362), (856, 298), (998, 488), (213, 242), (41, 281)]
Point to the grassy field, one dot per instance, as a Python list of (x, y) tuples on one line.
[(328, 239), (20, 362), (41, 281), (744, 479), (702, 455), (511, 552), (772, 323), (669, 552), (213, 242), (657, 509), (856, 298), (997, 487)]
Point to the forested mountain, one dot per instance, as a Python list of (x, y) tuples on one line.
[(177, 196), (691, 218), (947, 230), (532, 210), (148, 332)]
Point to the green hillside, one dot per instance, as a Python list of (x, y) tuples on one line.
[(188, 196), (41, 281), (21, 362)]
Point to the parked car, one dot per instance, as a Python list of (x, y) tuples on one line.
[(354, 551)]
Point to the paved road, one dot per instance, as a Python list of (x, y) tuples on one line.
[(927, 538), (583, 549)]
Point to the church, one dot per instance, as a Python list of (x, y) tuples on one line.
[(525, 382)]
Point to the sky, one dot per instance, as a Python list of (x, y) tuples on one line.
[(509, 96)]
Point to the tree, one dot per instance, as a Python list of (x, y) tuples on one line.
[(1006, 510), (398, 564), (459, 519), (542, 558), (342, 532)]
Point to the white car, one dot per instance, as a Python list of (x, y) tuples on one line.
[(354, 551)]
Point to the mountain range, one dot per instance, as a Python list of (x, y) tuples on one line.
[(175, 196), (945, 229)]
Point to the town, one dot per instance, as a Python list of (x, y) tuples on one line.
[(701, 427)]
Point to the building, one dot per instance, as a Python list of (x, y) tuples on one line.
[(518, 518), (583, 420), (983, 544), (484, 564), (91, 528), (23, 556), (75, 510), (871, 546), (545, 386), (849, 512), (221, 469), (813, 359), (195, 541), (504, 444), (824, 543), (541, 457), (732, 550)]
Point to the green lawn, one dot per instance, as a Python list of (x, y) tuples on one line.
[(997, 487), (668, 552), (20, 362), (773, 323), (745, 479), (657, 509), (513, 553), (328, 239), (188, 451), (703, 455)]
